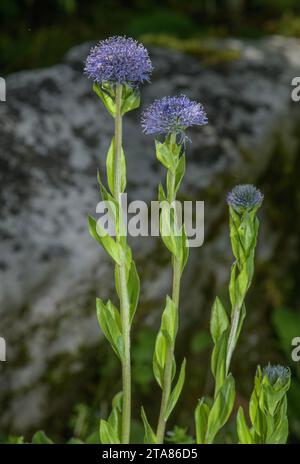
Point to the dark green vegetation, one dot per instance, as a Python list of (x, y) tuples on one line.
[(35, 33)]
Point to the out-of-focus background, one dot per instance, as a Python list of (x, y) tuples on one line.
[(36, 33), (238, 58)]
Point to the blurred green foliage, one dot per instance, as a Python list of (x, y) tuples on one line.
[(210, 54), (36, 33)]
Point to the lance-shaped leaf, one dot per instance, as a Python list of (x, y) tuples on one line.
[(170, 235), (133, 286), (159, 358), (165, 338), (104, 92), (130, 99), (150, 437), (110, 323), (161, 193), (169, 321), (218, 360), (115, 417), (110, 202), (184, 248), (110, 166), (176, 391), (236, 244), (244, 434), (108, 435), (221, 409), (165, 155), (201, 418), (108, 243), (180, 170), (219, 320)]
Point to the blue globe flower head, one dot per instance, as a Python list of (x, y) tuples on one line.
[(172, 115), (244, 197), (274, 373), (118, 60)]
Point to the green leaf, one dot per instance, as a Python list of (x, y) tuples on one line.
[(180, 170), (107, 434), (108, 243), (219, 320), (218, 360), (110, 323), (150, 437), (159, 358), (110, 202), (176, 391), (169, 321), (243, 431), (221, 409), (161, 193), (165, 338), (201, 418), (184, 249), (110, 166), (106, 95), (133, 286), (171, 237), (130, 99), (236, 244), (40, 438), (165, 155), (280, 434), (115, 417)]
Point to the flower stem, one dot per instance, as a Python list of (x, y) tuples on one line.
[(124, 300), (167, 381)]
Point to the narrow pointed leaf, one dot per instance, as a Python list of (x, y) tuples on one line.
[(201, 418), (150, 437), (108, 243), (133, 289), (219, 320), (110, 166), (176, 392)]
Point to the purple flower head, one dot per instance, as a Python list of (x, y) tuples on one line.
[(118, 60), (273, 373), (244, 197), (172, 115)]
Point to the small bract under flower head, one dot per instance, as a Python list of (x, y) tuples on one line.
[(172, 115), (244, 197), (119, 60), (274, 373)]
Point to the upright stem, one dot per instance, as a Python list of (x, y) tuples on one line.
[(124, 300), (167, 381)]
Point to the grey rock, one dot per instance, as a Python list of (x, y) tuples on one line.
[(54, 135)]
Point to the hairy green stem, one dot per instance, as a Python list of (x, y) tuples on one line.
[(167, 381), (124, 300)]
